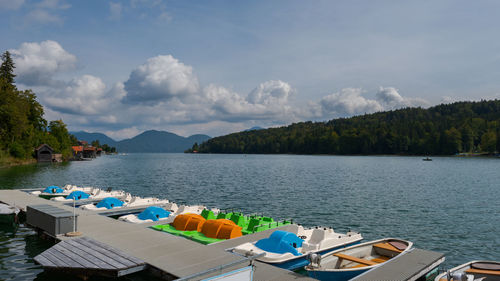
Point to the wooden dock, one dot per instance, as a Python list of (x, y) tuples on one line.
[(169, 256), (90, 256)]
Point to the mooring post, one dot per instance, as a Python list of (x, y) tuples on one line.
[(74, 216)]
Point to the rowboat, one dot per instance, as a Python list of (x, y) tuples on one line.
[(289, 249), (347, 263), (472, 271)]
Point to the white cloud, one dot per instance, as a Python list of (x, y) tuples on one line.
[(348, 102), (123, 133), (37, 63), (53, 4), (115, 10), (391, 99), (164, 93), (11, 4), (43, 16), (161, 78), (270, 92), (269, 100), (85, 95)]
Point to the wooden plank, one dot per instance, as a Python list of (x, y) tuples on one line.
[(483, 271), (54, 259), (115, 251), (99, 259), (69, 260), (355, 259), (77, 255), (44, 261), (114, 255), (107, 250), (387, 246)]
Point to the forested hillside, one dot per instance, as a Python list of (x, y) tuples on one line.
[(440, 130), (22, 126)]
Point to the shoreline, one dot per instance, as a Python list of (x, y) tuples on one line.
[(12, 162)]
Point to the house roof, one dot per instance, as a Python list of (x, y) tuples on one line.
[(77, 148), (89, 148), (44, 145)]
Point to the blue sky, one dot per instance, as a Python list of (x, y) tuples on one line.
[(215, 67)]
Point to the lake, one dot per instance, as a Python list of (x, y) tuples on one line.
[(450, 205)]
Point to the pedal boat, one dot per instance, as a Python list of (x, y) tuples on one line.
[(347, 263), (473, 271), (150, 214), (8, 214), (114, 202), (289, 249)]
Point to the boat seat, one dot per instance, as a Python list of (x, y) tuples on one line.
[(483, 271), (355, 259), (297, 229), (381, 259), (387, 246)]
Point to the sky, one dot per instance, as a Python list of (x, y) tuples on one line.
[(217, 67)]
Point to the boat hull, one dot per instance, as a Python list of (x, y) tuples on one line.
[(299, 263), (336, 275), (7, 218)]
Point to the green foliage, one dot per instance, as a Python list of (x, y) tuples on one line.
[(441, 130), (7, 68), (22, 126)]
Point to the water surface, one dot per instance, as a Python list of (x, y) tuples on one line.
[(450, 205)]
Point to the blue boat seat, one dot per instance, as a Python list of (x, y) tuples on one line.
[(109, 203), (53, 189), (281, 242), (153, 213), (77, 195)]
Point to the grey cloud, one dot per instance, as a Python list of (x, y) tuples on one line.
[(11, 4), (348, 102), (115, 10), (85, 95)]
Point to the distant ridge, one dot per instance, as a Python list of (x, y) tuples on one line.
[(256, 128), (89, 137), (446, 129), (148, 141)]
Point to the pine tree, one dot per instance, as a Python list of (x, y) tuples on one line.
[(7, 68)]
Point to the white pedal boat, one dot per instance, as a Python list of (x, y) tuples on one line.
[(96, 193), (134, 201), (288, 249)]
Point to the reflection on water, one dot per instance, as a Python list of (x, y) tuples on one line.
[(448, 205)]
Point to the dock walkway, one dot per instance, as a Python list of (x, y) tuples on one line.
[(173, 256)]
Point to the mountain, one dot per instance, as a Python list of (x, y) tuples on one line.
[(445, 129), (148, 141), (89, 137), (256, 128)]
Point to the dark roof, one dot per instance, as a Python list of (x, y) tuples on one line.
[(42, 145)]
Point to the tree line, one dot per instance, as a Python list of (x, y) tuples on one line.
[(446, 129), (22, 125)]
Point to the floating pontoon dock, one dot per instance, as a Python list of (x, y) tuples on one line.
[(168, 256)]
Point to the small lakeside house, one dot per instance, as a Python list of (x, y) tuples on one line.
[(44, 153), (77, 151)]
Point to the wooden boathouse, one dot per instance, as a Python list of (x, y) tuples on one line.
[(44, 153)]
